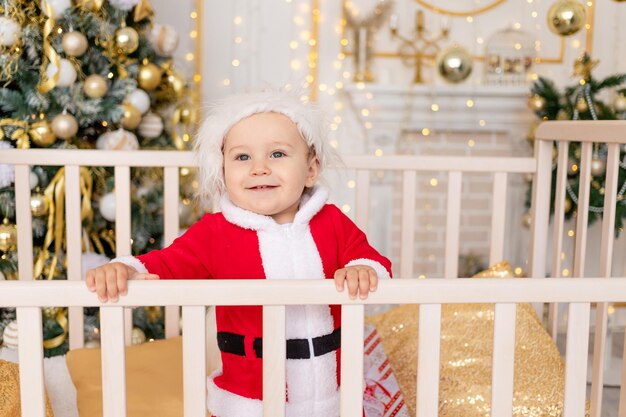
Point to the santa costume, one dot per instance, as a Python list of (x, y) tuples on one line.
[(239, 244)]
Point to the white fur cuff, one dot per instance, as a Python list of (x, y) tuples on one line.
[(380, 270), (132, 262)]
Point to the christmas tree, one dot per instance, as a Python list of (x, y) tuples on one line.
[(88, 74), (582, 102)]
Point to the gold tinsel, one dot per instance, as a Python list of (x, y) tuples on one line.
[(466, 357), (50, 55), (10, 391)]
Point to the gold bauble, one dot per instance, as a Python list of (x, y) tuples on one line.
[(562, 115), (619, 104), (572, 167), (176, 83), (41, 134), (8, 236), (454, 64), (74, 43), (566, 17), (126, 40), (95, 86), (64, 126), (567, 205), (581, 105), (598, 167), (38, 205), (149, 76), (536, 103), (131, 118)]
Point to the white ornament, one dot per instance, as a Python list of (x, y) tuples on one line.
[(118, 140), (58, 7), (7, 172), (107, 206), (2, 277), (9, 337), (10, 31), (164, 39), (34, 180), (140, 100), (125, 5), (67, 74), (151, 126), (137, 336)]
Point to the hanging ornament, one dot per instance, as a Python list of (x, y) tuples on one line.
[(10, 31), (140, 100), (118, 140), (8, 236), (41, 134), (74, 43), (454, 64), (64, 126), (581, 105), (619, 104), (164, 39), (34, 180), (566, 17), (125, 5), (38, 205), (131, 118), (107, 206), (536, 103), (58, 7), (95, 86), (527, 220), (598, 167), (176, 83), (67, 73), (149, 76), (138, 336), (151, 126), (9, 336), (126, 40), (562, 115)]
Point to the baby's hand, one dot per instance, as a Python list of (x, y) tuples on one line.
[(109, 280), (361, 279)]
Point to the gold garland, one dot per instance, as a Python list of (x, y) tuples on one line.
[(93, 5), (21, 135), (448, 12), (143, 10), (57, 341), (46, 84)]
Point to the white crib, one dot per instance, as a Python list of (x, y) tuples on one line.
[(29, 297)]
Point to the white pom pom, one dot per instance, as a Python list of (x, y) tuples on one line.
[(140, 100), (125, 5), (118, 140), (9, 337), (164, 39), (67, 74), (10, 31), (58, 7), (107, 206), (7, 172)]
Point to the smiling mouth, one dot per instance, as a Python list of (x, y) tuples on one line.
[(262, 187)]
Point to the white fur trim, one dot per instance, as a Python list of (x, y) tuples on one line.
[(224, 403), (380, 270), (310, 204), (132, 262)]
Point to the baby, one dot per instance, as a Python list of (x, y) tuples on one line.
[(262, 154)]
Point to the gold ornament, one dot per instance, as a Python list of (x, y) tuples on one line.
[(149, 76), (131, 118), (187, 114), (64, 126), (572, 167), (581, 105), (126, 40), (584, 65), (74, 43), (527, 220), (143, 9), (454, 64), (567, 205), (598, 167), (562, 115), (38, 205), (8, 236), (50, 313), (95, 86), (41, 134), (619, 104), (566, 17), (176, 83), (537, 103)]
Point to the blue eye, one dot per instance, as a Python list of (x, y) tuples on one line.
[(278, 154), (242, 157)]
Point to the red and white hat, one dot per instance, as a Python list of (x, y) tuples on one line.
[(225, 113)]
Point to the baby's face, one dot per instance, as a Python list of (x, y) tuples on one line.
[(267, 165)]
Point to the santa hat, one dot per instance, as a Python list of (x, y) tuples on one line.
[(224, 114)]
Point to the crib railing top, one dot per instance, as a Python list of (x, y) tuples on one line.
[(607, 131)]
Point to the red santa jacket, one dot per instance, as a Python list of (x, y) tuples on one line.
[(239, 244)]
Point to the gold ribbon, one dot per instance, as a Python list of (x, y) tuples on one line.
[(20, 135), (142, 10), (46, 84), (93, 5), (58, 340)]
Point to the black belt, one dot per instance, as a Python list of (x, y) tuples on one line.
[(296, 348)]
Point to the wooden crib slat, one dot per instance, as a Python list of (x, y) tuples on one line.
[(194, 360), (606, 259), (113, 361), (74, 249), (362, 199), (30, 347), (576, 359), (498, 218), (453, 224), (582, 216), (540, 210), (429, 341), (274, 354), (352, 333), (122, 229), (24, 222), (170, 232), (503, 360), (622, 392), (407, 250)]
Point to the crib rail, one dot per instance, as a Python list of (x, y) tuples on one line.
[(193, 295)]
